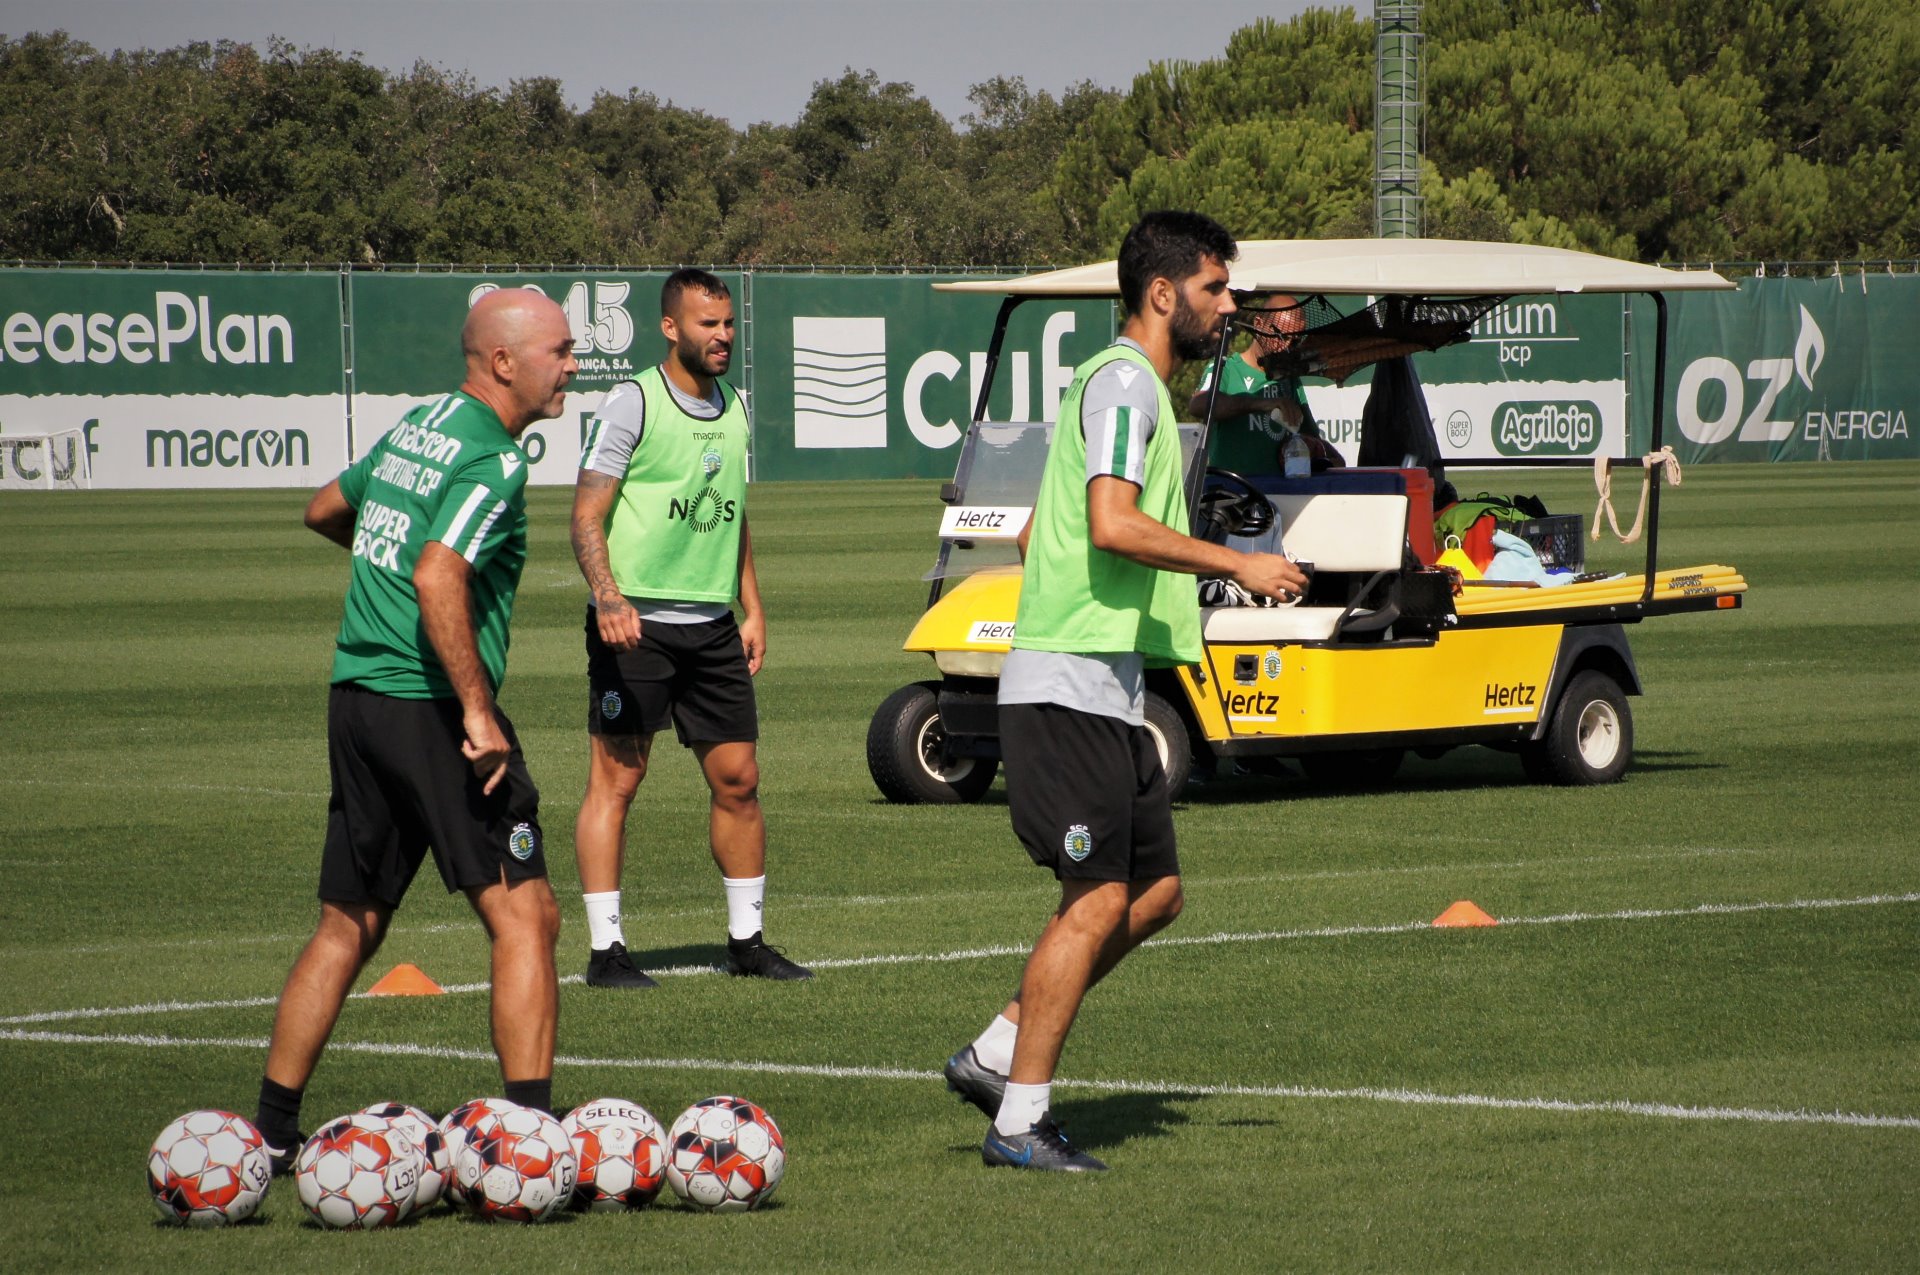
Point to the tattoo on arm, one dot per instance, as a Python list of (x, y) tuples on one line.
[(593, 496)]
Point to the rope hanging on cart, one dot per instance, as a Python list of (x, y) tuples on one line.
[(1603, 482)]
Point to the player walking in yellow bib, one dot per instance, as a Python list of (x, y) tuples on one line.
[(1108, 591)]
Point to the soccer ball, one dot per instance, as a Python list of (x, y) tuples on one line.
[(460, 1124), (435, 1166), (359, 1172), (725, 1154), (518, 1167), (209, 1168), (622, 1152)]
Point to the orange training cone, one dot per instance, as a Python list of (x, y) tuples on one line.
[(411, 980), (1465, 912)]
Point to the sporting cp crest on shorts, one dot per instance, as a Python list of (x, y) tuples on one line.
[(1079, 843), (521, 843), (610, 705)]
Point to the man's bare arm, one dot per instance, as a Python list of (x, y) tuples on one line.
[(329, 514), (1116, 524), (593, 497), (441, 581), (753, 619)]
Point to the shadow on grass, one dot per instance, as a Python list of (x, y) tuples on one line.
[(1093, 1123), (1664, 763), (994, 796), (1110, 1120), (1481, 774), (664, 958)]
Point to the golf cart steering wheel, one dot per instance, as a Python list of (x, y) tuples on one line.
[(1233, 506)]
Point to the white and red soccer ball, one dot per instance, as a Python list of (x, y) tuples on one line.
[(209, 1168), (436, 1167), (460, 1124), (622, 1152), (516, 1165), (725, 1154), (359, 1173)]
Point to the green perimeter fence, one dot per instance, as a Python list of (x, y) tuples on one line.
[(199, 377)]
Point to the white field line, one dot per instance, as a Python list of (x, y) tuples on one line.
[(169, 786), (817, 902), (1403, 1097), (983, 953)]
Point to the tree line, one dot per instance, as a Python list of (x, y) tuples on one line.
[(1703, 129)]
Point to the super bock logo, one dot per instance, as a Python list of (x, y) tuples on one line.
[(521, 842), (1079, 843)]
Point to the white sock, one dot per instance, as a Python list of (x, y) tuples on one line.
[(1022, 1108), (603, 920), (745, 896), (994, 1046)]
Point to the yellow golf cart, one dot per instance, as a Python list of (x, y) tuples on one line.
[(1388, 652)]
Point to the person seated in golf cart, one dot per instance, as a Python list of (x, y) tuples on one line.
[(1256, 410)]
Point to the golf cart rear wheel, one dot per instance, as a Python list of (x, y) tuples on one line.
[(908, 757), (1169, 734), (1367, 768), (1590, 737)]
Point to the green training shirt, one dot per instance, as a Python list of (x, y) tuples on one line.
[(450, 472), (1245, 443)]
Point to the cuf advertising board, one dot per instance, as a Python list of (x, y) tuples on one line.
[(179, 378), (862, 376), (407, 347)]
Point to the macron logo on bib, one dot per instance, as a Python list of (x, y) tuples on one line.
[(508, 463), (1126, 372)]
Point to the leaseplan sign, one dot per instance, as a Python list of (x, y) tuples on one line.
[(179, 379)]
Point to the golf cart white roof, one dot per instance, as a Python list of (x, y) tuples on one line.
[(1387, 267)]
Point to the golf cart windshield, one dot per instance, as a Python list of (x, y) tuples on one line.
[(993, 490)]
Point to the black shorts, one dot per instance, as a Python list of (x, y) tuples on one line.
[(401, 785), (694, 673), (1088, 794)]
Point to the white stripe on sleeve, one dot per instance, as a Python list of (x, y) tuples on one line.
[(472, 551), (451, 537)]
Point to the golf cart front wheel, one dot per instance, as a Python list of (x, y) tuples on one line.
[(1589, 739), (908, 757)]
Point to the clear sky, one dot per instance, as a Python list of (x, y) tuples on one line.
[(743, 60)]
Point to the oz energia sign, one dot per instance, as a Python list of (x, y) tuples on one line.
[(1801, 369)]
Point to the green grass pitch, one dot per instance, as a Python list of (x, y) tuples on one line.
[(1659, 1073)]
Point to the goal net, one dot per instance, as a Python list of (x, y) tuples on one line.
[(45, 462)]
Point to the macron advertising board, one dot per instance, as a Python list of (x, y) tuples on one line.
[(182, 379)]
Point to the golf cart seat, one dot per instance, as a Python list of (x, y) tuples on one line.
[(1353, 534)]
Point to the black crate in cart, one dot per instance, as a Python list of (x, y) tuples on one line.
[(1559, 539)]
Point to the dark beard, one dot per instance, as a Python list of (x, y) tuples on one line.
[(1189, 334), (694, 360)]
